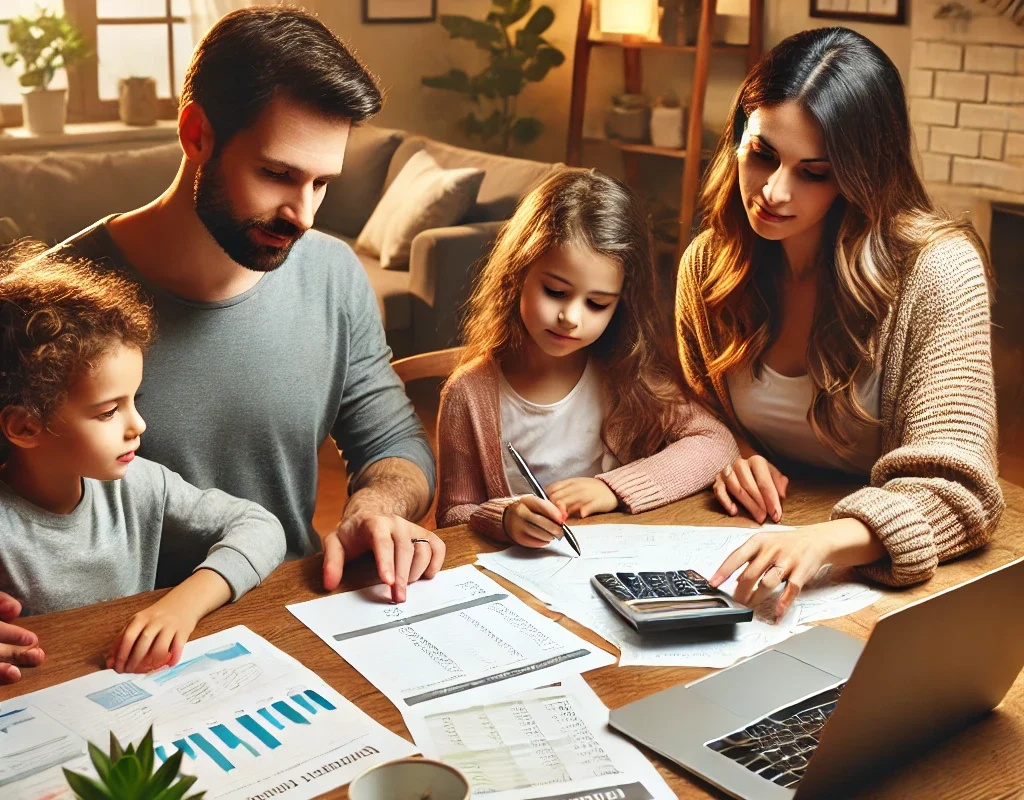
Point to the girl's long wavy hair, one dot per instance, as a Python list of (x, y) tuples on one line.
[(590, 210), (876, 228)]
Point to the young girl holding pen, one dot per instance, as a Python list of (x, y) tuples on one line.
[(566, 357)]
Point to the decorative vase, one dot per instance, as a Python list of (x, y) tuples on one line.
[(628, 119), (137, 102), (44, 110), (667, 127)]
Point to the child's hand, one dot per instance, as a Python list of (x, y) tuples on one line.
[(155, 636), (583, 496), (533, 522)]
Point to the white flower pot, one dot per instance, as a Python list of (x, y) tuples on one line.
[(44, 110)]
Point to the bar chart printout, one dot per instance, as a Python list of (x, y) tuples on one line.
[(250, 721)]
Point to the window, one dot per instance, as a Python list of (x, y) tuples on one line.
[(150, 38)]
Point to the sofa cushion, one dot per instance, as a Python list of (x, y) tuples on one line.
[(505, 182), (392, 287), (423, 196), (55, 195), (352, 196)]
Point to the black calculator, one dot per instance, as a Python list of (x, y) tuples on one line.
[(661, 601)]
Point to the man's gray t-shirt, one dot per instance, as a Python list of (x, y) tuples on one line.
[(111, 544), (240, 394)]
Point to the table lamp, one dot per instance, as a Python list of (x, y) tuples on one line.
[(628, 17)]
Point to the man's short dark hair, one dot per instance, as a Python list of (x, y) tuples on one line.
[(254, 54)]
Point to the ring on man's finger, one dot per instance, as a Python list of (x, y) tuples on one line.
[(417, 541)]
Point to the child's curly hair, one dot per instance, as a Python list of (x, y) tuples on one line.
[(57, 317)]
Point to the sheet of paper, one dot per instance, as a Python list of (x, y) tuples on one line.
[(543, 744), (458, 634), (563, 582), (251, 720)]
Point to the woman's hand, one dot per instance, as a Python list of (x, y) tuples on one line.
[(794, 557), (533, 522), (754, 482), (156, 636), (582, 496)]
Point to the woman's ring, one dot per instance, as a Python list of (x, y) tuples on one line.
[(778, 570), (425, 541), (727, 471)]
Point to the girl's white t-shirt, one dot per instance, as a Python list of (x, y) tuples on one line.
[(774, 408), (558, 440)]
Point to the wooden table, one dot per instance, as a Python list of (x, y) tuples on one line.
[(984, 761)]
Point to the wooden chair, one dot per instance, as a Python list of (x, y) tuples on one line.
[(437, 364)]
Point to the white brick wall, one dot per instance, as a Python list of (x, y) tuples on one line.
[(1006, 89), (993, 174), (937, 55), (992, 145), (955, 141), (979, 58), (933, 112), (1015, 146), (935, 167), (921, 82), (961, 86)]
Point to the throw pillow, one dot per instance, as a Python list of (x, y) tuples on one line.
[(423, 196)]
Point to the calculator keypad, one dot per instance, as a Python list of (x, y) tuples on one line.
[(642, 585)]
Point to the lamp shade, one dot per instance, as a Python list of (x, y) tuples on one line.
[(630, 17)]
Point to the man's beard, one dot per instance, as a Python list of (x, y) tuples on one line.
[(214, 210)]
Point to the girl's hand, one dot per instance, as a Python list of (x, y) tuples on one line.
[(533, 522), (756, 483), (583, 496), (794, 557), (154, 638)]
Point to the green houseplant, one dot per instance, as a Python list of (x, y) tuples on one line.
[(515, 59), (127, 774), (44, 44)]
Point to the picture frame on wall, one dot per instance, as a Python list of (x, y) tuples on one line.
[(389, 11), (891, 12)]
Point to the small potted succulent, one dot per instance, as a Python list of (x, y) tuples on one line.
[(127, 774), (44, 44)]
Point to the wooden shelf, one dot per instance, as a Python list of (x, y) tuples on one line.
[(720, 47), (631, 147)]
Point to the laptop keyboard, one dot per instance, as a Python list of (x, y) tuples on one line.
[(778, 747)]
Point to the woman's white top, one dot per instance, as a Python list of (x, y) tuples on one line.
[(558, 440), (774, 408)]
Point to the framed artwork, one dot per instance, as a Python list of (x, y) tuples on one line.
[(399, 10), (893, 12)]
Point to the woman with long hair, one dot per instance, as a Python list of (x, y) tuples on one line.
[(568, 357), (833, 317)]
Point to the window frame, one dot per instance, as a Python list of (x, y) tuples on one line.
[(84, 102)]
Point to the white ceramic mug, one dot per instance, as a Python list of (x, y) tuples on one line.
[(410, 779)]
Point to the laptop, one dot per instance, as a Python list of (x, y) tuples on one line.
[(823, 710)]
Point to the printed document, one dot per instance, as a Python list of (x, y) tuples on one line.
[(252, 722), (460, 633)]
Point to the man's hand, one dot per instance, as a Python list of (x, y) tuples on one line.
[(18, 647), (404, 551)]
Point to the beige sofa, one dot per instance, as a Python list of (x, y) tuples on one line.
[(53, 196)]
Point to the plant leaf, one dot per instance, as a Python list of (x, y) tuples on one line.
[(84, 787), (177, 791), (126, 777), (526, 129), (482, 34), (546, 59), (514, 11), (144, 753), (527, 43), (454, 80), (116, 751), (99, 760), (540, 21), (163, 778)]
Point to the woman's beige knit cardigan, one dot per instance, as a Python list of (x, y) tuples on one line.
[(934, 493)]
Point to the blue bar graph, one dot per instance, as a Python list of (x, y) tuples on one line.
[(223, 733), (212, 752), (319, 699), (299, 700), (270, 718), (289, 713), (258, 731), (266, 729)]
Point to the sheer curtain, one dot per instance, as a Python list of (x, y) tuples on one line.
[(203, 13)]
